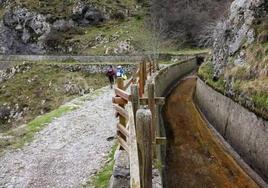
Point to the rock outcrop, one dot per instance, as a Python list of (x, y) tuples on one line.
[(238, 67), (237, 32), (25, 31)]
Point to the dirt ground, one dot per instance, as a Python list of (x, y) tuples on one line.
[(194, 157)]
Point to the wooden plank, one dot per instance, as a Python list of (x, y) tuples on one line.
[(129, 82), (137, 73), (123, 130), (123, 143), (121, 93), (119, 100), (158, 101), (120, 83), (122, 112), (144, 140), (160, 140), (133, 155)]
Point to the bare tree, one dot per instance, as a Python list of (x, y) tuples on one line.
[(186, 20)]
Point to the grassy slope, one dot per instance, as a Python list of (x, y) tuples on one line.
[(41, 90), (111, 34)]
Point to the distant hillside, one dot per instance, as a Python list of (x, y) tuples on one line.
[(70, 26)]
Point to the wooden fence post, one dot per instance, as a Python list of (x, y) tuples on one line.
[(120, 85), (151, 104), (144, 140), (135, 100), (122, 120), (141, 80), (150, 69), (144, 73)]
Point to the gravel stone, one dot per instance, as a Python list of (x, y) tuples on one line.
[(65, 153)]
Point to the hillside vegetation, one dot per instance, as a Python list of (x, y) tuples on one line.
[(63, 9), (73, 27), (37, 89)]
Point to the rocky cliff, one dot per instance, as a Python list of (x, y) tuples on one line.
[(39, 27), (239, 63), (240, 30)]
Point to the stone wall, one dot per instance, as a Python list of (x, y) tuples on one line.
[(95, 67), (92, 59), (86, 59), (242, 129)]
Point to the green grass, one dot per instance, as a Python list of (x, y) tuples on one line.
[(2, 11), (37, 125), (206, 73), (261, 100), (255, 89), (102, 178)]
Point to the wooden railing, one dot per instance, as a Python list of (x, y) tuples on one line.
[(137, 121)]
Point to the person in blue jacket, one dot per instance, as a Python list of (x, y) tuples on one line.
[(120, 72)]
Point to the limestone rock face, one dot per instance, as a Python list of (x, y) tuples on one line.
[(84, 14), (21, 31), (2, 2), (25, 31), (236, 31)]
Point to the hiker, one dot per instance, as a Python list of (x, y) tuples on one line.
[(111, 74), (120, 72)]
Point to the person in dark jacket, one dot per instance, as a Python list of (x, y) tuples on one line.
[(111, 75)]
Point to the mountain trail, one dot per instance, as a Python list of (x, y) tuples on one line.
[(67, 152)]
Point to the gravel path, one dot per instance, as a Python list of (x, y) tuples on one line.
[(65, 153)]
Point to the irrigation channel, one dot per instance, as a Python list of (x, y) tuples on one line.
[(194, 156)]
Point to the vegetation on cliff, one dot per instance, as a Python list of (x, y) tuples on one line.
[(244, 77)]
